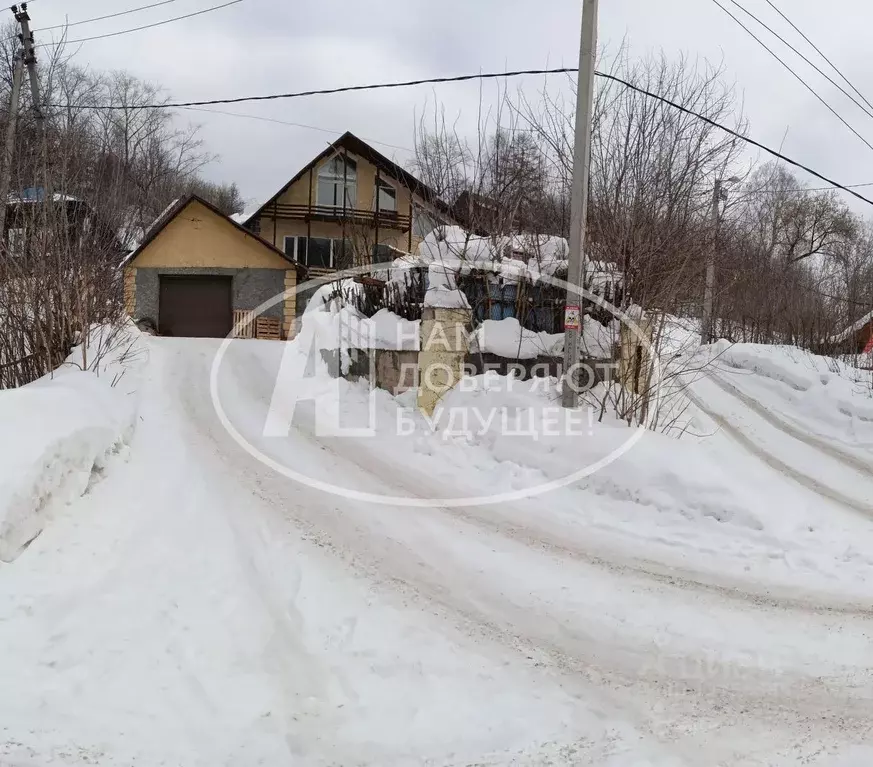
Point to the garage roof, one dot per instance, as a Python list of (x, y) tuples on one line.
[(177, 207)]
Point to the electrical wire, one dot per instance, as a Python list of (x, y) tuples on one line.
[(807, 189), (486, 76), (293, 125), (794, 74), (867, 109), (103, 18), (819, 52), (144, 26)]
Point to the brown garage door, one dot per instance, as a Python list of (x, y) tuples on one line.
[(198, 306)]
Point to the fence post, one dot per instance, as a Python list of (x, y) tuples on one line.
[(635, 358), (445, 319)]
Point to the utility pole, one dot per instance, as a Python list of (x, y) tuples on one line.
[(25, 56), (9, 146), (30, 60), (706, 326), (579, 203)]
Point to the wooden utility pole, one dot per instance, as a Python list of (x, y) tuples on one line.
[(25, 56), (9, 146), (706, 326), (30, 61), (579, 203)]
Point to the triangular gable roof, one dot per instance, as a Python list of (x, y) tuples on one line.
[(177, 207), (362, 149), (853, 328)]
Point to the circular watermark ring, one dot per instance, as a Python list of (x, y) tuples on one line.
[(636, 433)]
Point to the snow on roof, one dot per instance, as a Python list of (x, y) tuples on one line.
[(38, 195), (854, 328), (519, 255)]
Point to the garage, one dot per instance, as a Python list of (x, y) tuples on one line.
[(195, 305), (199, 273)]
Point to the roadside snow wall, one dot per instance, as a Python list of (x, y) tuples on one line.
[(56, 433)]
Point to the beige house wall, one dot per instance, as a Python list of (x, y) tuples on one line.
[(196, 237), (285, 228), (304, 191)]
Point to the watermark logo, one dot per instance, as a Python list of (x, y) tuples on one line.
[(319, 396)]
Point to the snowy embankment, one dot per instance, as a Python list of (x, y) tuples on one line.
[(57, 433), (777, 510)]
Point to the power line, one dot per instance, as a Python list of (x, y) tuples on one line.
[(808, 189), (103, 18), (819, 52), (735, 134), (144, 26), (862, 107), (342, 89), (293, 125), (483, 76), (793, 73)]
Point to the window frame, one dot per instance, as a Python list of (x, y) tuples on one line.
[(347, 181), (336, 248), (378, 197)]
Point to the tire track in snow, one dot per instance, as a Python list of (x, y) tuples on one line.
[(755, 702), (494, 519), (584, 663), (825, 446), (825, 491)]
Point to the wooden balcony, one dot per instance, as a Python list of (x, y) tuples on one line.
[(382, 219)]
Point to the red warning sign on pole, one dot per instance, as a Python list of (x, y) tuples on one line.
[(571, 317)]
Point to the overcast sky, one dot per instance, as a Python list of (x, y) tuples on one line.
[(267, 46)]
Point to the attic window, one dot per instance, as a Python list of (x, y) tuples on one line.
[(338, 183)]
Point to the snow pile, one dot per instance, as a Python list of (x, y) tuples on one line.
[(450, 244), (331, 325), (58, 432), (443, 291), (519, 256), (670, 476), (542, 247), (821, 395), (507, 338)]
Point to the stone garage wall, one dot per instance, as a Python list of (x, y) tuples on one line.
[(249, 289)]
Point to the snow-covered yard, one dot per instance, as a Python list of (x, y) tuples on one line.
[(695, 601)]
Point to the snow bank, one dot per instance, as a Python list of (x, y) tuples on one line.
[(57, 432), (677, 478), (822, 395), (442, 291), (507, 338), (343, 327)]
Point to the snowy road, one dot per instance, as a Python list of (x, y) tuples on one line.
[(196, 608)]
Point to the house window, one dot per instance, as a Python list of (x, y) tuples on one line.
[(296, 248), (338, 183), (320, 252), (423, 223), (386, 196)]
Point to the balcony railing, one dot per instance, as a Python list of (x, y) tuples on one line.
[(354, 216)]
